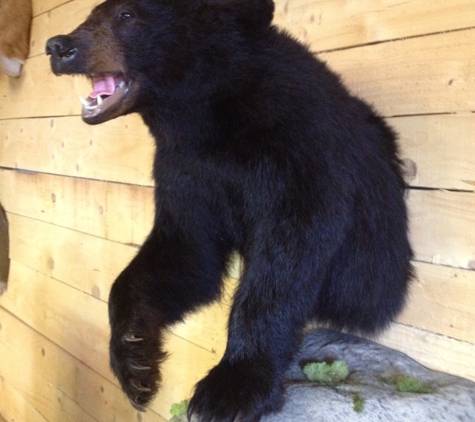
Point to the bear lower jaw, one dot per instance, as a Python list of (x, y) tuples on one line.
[(104, 107)]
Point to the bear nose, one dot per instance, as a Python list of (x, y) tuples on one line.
[(61, 47)]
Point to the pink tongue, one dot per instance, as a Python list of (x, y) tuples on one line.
[(103, 85)]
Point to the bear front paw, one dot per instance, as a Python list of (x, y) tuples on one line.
[(134, 356), (135, 347), (135, 344), (236, 392)]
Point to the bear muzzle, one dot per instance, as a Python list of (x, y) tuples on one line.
[(62, 51), (111, 88)]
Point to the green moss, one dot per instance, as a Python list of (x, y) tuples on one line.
[(358, 403), (326, 373), (179, 409), (412, 385), (405, 384)]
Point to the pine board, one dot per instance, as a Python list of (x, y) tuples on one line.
[(49, 372), (442, 227), (442, 223), (73, 320), (95, 264), (323, 24), (57, 312), (62, 19), (120, 150), (87, 263), (14, 405), (43, 6), (37, 92), (118, 212), (432, 350), (441, 300), (425, 75), (71, 236), (333, 24), (441, 148)]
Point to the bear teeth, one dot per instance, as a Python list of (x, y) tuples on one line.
[(92, 104), (89, 104)]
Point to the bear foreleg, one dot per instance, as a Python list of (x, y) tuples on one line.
[(168, 278)]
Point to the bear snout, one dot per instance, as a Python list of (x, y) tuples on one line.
[(62, 50)]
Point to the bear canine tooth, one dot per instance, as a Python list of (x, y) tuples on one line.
[(99, 100), (84, 102), (87, 104)]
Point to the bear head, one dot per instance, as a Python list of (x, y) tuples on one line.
[(146, 53)]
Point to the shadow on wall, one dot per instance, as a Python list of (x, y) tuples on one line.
[(4, 250)]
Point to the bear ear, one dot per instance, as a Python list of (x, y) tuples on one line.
[(251, 15), (255, 14)]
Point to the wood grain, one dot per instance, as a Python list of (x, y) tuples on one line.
[(42, 6), (78, 323), (432, 350), (80, 201), (442, 223), (62, 18), (91, 264), (84, 262), (426, 75), (120, 150), (423, 75), (441, 300), (38, 93), (61, 387), (442, 227), (113, 211), (440, 148), (333, 24)]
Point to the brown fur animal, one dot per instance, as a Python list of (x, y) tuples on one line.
[(15, 22)]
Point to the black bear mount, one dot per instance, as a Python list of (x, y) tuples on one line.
[(261, 150)]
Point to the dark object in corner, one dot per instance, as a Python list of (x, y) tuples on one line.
[(4, 251)]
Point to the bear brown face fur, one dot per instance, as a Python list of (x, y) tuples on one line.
[(261, 151)]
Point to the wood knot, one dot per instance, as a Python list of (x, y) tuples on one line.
[(409, 169)]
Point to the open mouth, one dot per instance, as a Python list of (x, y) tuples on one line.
[(107, 96)]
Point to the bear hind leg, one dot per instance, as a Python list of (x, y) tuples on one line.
[(367, 281)]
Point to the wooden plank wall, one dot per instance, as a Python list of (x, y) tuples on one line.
[(79, 201)]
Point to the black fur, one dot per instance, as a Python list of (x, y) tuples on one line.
[(260, 150)]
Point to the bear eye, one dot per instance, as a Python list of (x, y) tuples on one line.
[(125, 15)]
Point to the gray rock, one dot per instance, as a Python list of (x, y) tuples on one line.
[(374, 372)]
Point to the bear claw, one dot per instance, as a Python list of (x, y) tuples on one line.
[(141, 367), (139, 387), (137, 406), (132, 338)]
